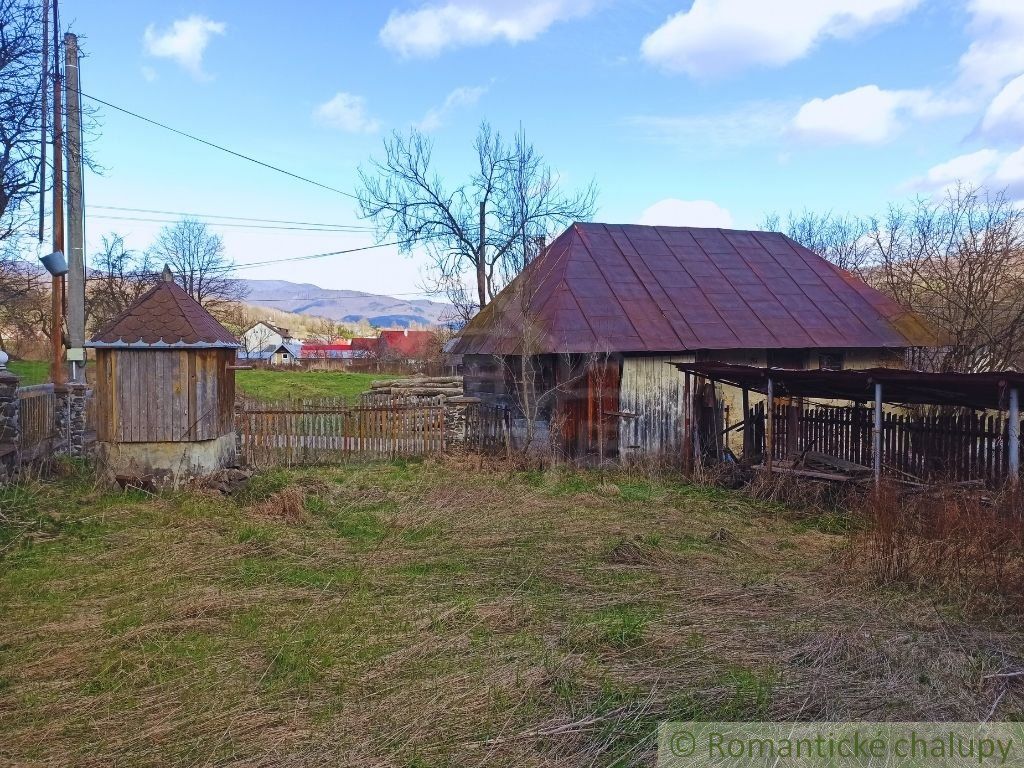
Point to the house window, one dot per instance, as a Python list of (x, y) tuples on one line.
[(831, 361)]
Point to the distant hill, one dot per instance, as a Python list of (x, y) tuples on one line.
[(345, 306)]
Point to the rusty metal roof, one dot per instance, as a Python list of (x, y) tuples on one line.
[(165, 316), (632, 288), (987, 390)]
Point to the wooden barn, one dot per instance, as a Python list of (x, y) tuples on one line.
[(165, 388), (592, 324)]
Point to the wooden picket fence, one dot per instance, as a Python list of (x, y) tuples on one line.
[(957, 446), (38, 427), (328, 430)]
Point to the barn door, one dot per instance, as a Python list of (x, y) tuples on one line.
[(603, 409)]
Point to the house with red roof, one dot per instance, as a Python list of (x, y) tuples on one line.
[(582, 338), (405, 345)]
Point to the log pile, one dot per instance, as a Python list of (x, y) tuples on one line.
[(418, 386)]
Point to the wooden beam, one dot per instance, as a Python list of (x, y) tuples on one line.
[(769, 430), (1013, 437), (877, 436)]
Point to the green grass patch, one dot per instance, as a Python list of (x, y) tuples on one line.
[(30, 371), (291, 385)]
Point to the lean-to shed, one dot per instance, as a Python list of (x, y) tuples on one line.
[(165, 388)]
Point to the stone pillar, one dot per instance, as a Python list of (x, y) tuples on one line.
[(69, 412), (456, 415), (9, 425)]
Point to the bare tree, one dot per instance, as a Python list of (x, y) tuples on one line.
[(522, 201), (118, 276), (957, 261), (840, 239), (197, 259), (20, 113), (24, 303)]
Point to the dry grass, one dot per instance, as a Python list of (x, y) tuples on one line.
[(965, 543), (439, 614)]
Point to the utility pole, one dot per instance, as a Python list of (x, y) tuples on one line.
[(57, 283), (76, 221)]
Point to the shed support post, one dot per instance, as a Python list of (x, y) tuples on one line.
[(746, 423), (877, 436), (1013, 429), (793, 425), (769, 424)]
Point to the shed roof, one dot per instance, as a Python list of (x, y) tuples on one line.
[(970, 390), (632, 288), (165, 316)]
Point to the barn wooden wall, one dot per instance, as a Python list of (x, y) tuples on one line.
[(164, 396), (653, 390)]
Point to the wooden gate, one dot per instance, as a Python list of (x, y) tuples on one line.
[(37, 422)]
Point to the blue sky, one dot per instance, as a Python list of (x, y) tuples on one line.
[(709, 113)]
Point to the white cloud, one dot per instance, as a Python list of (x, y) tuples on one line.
[(457, 23), (463, 96), (868, 115), (1004, 118), (716, 37), (184, 42), (996, 52), (1010, 173), (347, 112), (672, 212), (972, 168), (986, 167)]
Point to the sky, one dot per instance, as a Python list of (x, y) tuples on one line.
[(703, 113)]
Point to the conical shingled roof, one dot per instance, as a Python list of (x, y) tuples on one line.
[(631, 288), (165, 316)]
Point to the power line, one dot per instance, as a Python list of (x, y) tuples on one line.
[(322, 255), (231, 218), (218, 146), (324, 228)]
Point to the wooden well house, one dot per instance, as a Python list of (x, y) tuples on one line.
[(165, 388)]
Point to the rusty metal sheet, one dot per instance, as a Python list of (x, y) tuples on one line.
[(683, 289)]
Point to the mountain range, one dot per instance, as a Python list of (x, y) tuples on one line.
[(345, 306)]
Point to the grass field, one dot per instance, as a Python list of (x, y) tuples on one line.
[(423, 614), (278, 385), (30, 371)]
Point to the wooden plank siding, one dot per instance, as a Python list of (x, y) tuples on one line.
[(163, 395), (652, 390)]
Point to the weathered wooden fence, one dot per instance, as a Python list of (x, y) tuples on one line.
[(488, 429), (38, 425), (955, 446), (325, 431)]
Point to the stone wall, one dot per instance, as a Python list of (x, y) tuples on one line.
[(9, 461), (456, 413), (69, 412)]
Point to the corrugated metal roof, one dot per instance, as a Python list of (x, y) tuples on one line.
[(632, 288), (973, 390), (165, 316)]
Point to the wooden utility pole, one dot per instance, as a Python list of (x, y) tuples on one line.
[(57, 283), (76, 221)]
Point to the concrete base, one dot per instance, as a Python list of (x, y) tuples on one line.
[(167, 464)]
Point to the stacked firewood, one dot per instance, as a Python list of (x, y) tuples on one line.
[(418, 386)]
